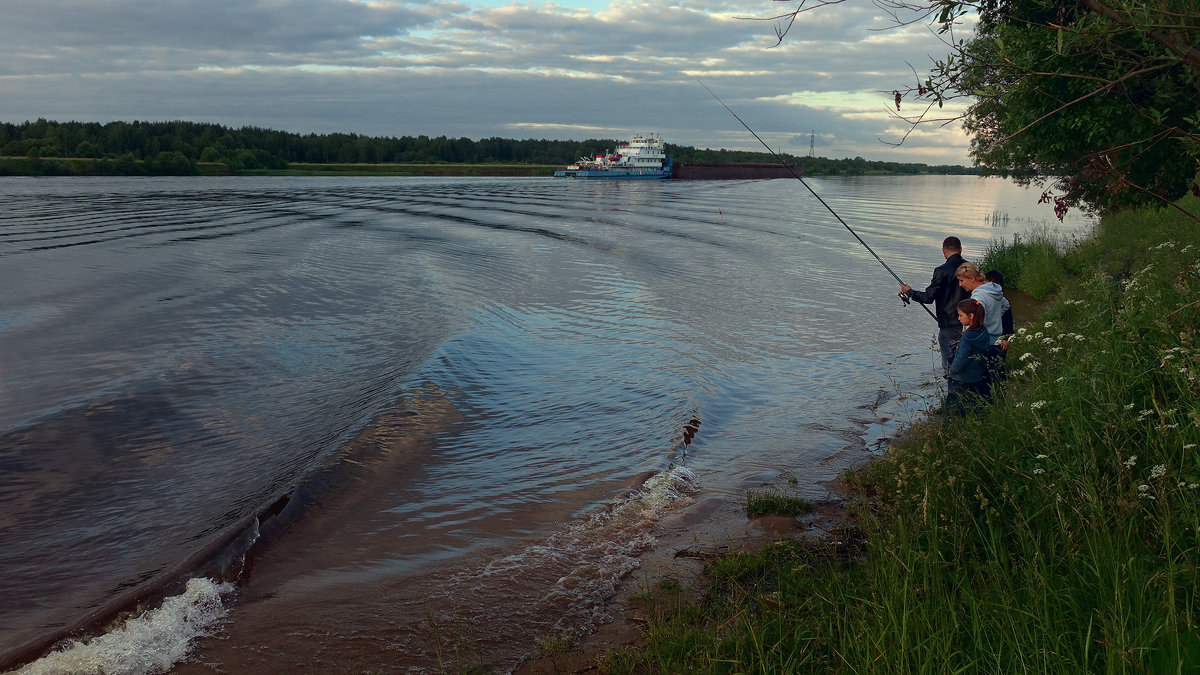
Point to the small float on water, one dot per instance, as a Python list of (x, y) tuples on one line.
[(641, 157)]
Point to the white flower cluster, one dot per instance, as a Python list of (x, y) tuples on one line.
[(1158, 471), (1129, 463), (1036, 404)]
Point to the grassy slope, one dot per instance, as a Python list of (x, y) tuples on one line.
[(1056, 531)]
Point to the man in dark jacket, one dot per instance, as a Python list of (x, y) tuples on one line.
[(945, 294)]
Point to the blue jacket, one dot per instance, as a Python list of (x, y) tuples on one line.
[(968, 364)]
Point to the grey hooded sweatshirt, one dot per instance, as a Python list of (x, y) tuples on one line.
[(991, 296)]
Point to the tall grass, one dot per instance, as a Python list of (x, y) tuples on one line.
[(1035, 263), (1057, 530)]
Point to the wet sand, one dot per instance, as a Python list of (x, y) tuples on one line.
[(711, 528)]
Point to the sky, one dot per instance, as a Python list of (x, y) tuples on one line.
[(567, 69)]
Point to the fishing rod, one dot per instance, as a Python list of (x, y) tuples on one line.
[(795, 175)]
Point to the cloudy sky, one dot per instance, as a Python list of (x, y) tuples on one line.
[(511, 68)]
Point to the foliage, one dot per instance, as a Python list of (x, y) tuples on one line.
[(1054, 531), (1097, 100), (1086, 94)]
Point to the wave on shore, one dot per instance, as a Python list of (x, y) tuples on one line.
[(146, 644)]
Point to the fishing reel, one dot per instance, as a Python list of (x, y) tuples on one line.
[(904, 298)]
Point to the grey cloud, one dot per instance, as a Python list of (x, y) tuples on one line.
[(443, 68), (259, 26)]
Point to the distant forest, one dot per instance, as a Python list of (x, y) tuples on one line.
[(178, 148)]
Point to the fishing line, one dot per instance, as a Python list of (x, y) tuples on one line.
[(814, 193)]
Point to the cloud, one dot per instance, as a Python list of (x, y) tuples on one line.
[(572, 69)]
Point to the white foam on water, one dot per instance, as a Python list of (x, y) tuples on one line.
[(146, 644)]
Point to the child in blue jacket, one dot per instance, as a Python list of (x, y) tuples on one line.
[(967, 384)]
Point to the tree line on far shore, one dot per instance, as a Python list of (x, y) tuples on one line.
[(178, 147)]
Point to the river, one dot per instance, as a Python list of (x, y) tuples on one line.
[(331, 424)]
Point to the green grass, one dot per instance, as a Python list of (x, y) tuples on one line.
[(1057, 531), (1035, 263), (772, 502)]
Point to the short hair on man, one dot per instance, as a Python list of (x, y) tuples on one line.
[(952, 244)]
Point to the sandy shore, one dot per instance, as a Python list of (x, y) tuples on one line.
[(707, 529), (714, 527)]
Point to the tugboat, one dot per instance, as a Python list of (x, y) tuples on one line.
[(641, 157)]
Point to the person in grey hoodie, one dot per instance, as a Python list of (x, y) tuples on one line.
[(988, 293)]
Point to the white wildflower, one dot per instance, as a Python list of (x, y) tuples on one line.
[(1143, 488), (1038, 471), (1189, 446), (1048, 324), (1021, 331), (1129, 406), (1036, 404), (1079, 338), (1042, 457), (1193, 486), (1055, 350), (1026, 356), (1158, 471), (1131, 461), (1037, 334)]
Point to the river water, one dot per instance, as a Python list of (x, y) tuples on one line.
[(327, 424)]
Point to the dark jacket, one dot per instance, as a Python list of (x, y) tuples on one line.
[(944, 292), (969, 361)]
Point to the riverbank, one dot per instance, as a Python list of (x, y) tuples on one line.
[(1055, 530), (175, 164)]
